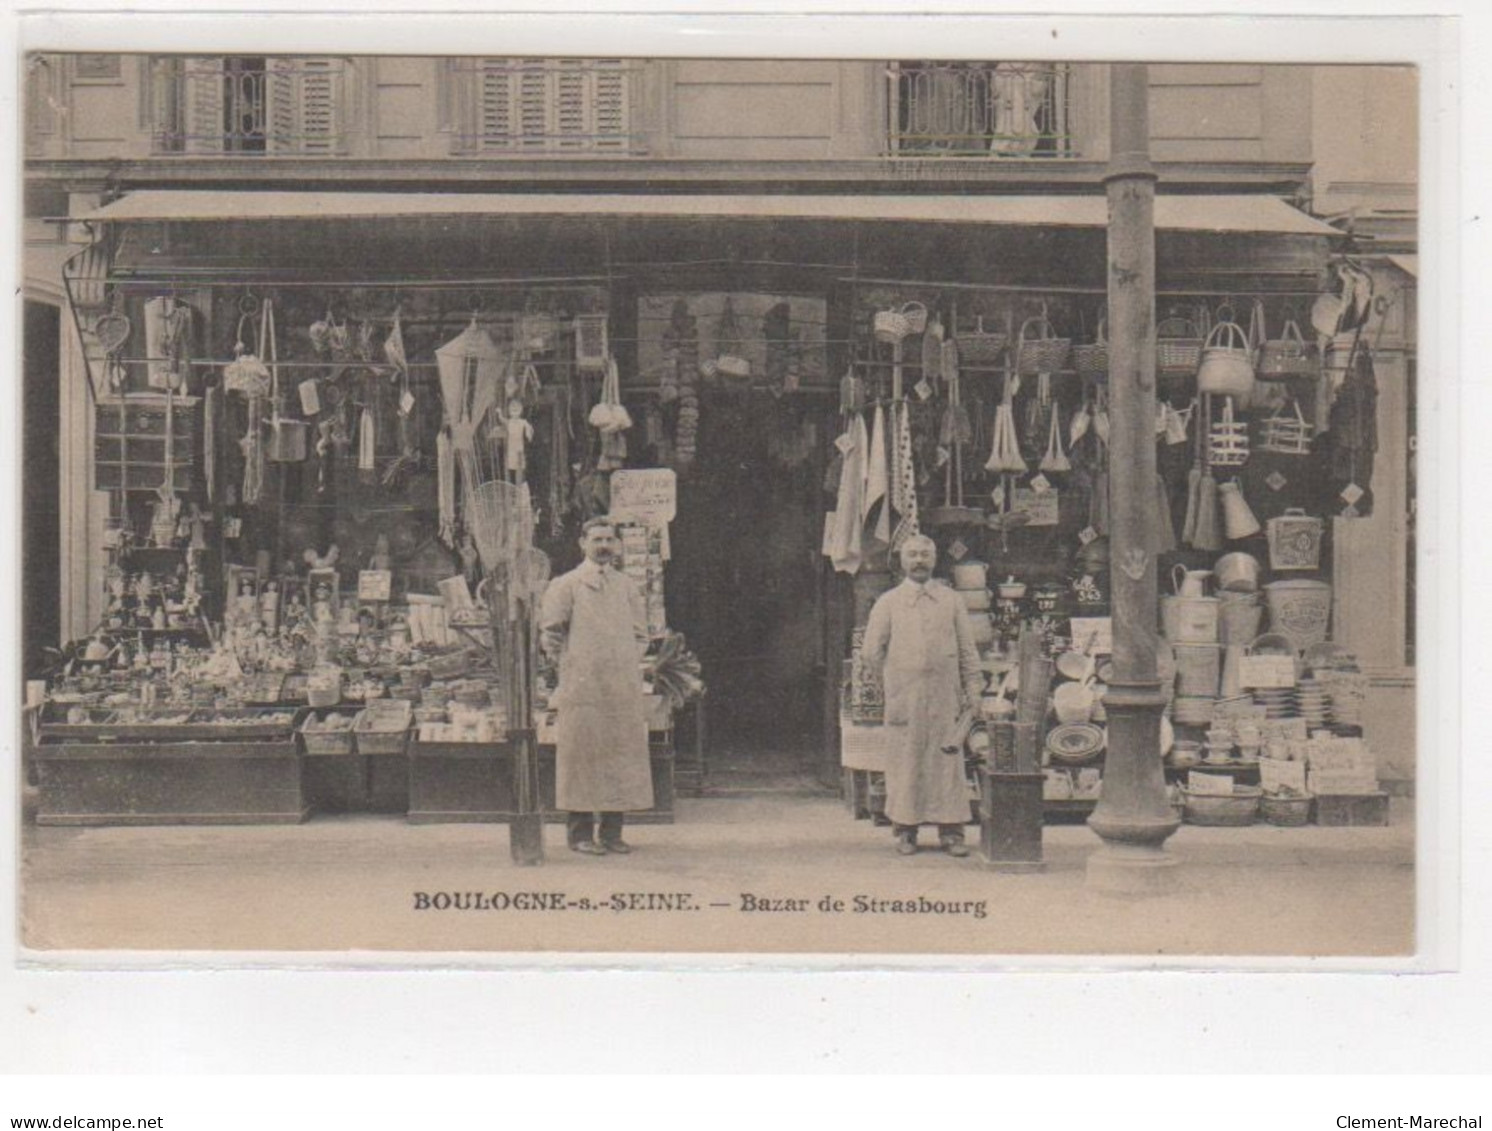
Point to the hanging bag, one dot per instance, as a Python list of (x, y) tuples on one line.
[(1289, 355)]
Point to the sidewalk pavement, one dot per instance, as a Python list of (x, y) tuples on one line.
[(771, 874)]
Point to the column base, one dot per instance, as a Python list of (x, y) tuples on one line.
[(1132, 870)]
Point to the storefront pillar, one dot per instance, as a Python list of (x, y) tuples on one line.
[(1133, 816)]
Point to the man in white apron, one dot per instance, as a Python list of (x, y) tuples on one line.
[(920, 637), (594, 624)]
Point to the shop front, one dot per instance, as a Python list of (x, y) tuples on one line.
[(341, 440)]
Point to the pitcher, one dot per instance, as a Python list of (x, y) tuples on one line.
[(1189, 582)]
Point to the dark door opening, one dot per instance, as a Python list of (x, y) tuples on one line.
[(41, 532), (744, 584)]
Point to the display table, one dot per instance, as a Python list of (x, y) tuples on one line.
[(170, 783)]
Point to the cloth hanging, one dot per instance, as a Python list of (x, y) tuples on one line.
[(1353, 430), (210, 408), (167, 331), (877, 483), (445, 472), (367, 441), (845, 540), (904, 497)]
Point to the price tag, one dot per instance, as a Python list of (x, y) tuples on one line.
[(1276, 481), (1087, 534), (1278, 776), (1351, 494), (1267, 671), (406, 403), (1041, 484), (310, 397), (958, 550), (374, 584), (922, 389), (943, 457), (1093, 636), (1039, 507), (845, 443)]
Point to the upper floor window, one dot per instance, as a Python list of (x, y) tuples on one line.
[(983, 109), (543, 107), (279, 105)]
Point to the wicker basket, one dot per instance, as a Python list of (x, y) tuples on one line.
[(1092, 361), (325, 742), (323, 696), (1288, 356), (1233, 810), (1178, 348), (981, 347), (1286, 812), (1044, 354), (1286, 435)]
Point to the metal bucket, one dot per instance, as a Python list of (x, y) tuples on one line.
[(1198, 669), (1189, 620), (1239, 617)]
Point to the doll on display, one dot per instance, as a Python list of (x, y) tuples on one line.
[(269, 606), (246, 604), (517, 432), (381, 558)]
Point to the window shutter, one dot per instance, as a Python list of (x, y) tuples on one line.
[(304, 105), (611, 104), (496, 123), (200, 121)]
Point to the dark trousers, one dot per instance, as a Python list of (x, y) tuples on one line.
[(582, 826), (946, 833)]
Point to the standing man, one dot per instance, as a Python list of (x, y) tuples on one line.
[(593, 624), (920, 638)]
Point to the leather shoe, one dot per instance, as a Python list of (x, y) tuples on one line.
[(906, 847), (587, 848), (955, 848), (619, 847)]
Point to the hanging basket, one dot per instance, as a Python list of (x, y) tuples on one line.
[(981, 346), (1092, 361), (1286, 434), (1044, 354), (1227, 367), (916, 315), (1178, 348), (1289, 355)]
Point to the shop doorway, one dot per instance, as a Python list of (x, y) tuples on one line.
[(745, 582), (41, 538)]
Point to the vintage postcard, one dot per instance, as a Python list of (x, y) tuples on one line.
[(836, 508)]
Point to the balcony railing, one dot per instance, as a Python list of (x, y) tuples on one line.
[(248, 105), (989, 110), (544, 107)]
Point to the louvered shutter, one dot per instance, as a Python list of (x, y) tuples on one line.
[(199, 121), (497, 116), (611, 105), (304, 110)]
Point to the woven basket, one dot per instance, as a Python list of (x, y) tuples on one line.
[(1234, 810), (1178, 348), (1286, 435), (1092, 360), (1288, 356), (326, 742), (981, 347), (1286, 812), (1044, 354), (1227, 366)]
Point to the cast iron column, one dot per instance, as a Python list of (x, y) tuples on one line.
[(1133, 815)]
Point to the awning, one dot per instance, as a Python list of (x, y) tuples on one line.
[(1221, 214)]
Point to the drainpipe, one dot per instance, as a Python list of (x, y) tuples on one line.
[(1133, 816)]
